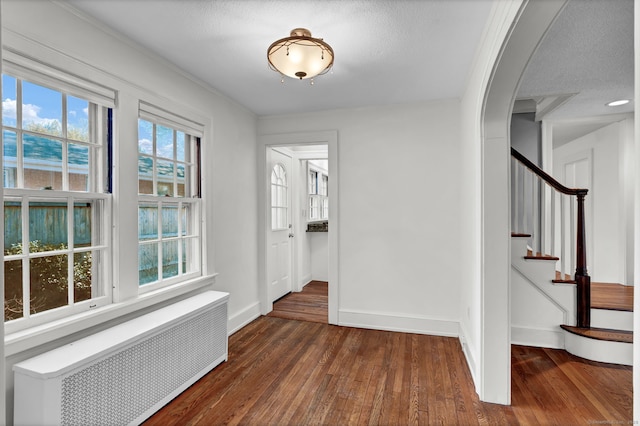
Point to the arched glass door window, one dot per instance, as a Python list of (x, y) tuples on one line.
[(279, 198)]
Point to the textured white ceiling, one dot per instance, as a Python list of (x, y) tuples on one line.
[(588, 51), (386, 52)]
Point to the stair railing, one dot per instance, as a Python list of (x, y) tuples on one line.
[(535, 199)]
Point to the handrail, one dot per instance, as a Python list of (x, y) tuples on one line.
[(583, 281), (546, 177)]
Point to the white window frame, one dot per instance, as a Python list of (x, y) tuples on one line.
[(100, 99), (193, 236), (318, 188)]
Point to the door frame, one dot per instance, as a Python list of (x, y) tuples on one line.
[(329, 138)]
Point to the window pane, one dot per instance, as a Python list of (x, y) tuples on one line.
[(169, 259), (82, 281), (13, 308), (12, 228), (47, 226), (49, 280), (78, 167), (147, 223), (41, 109), (165, 178), (181, 146), (147, 263), (169, 221), (77, 119), (180, 174), (42, 162), (9, 97), (82, 224), (9, 159), (145, 137), (186, 256), (145, 175), (184, 218), (164, 142)]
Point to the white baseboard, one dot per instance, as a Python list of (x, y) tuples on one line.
[(468, 352), (244, 317), (395, 322), (541, 338)]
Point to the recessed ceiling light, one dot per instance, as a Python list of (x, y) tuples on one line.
[(618, 102)]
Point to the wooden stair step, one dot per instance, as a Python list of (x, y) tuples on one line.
[(516, 234), (611, 296), (606, 334), (542, 257)]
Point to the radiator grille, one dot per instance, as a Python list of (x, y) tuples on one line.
[(121, 387)]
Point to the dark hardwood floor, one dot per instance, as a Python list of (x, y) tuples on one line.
[(291, 372), (308, 305)]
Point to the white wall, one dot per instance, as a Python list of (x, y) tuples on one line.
[(319, 256), (606, 204), (50, 33), (399, 240)]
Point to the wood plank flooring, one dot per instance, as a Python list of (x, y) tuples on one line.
[(311, 304), (289, 372)]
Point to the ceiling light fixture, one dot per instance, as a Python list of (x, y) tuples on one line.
[(300, 56), (618, 103)]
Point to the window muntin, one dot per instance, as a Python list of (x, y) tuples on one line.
[(279, 198), (54, 205), (168, 206)]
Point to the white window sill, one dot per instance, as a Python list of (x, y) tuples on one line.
[(26, 339)]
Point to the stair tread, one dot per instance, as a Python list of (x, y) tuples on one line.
[(616, 297), (607, 334), (516, 234), (542, 257)]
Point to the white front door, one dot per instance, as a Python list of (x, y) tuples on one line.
[(281, 233)]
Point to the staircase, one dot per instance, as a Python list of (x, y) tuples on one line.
[(551, 308), (609, 338)]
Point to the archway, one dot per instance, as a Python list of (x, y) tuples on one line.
[(532, 20)]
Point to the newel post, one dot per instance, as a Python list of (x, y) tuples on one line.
[(583, 281)]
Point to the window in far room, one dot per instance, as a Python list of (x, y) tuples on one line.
[(318, 182)]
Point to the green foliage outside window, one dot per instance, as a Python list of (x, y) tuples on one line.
[(49, 279)]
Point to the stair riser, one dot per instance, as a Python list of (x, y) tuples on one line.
[(599, 350), (617, 320)]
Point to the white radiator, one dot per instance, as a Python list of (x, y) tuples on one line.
[(124, 374)]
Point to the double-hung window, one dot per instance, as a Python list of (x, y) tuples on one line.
[(169, 205), (56, 138), (318, 183)]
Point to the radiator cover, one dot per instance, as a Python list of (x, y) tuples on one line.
[(124, 374)]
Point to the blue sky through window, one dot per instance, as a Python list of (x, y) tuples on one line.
[(42, 112), (43, 106)]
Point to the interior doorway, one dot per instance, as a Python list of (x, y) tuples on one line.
[(301, 148)]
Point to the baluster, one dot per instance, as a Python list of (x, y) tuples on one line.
[(572, 235), (514, 193), (563, 252), (552, 222), (535, 231)]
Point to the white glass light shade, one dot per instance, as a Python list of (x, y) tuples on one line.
[(300, 55)]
